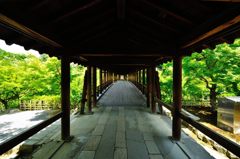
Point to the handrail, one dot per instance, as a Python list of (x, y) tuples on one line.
[(10, 143), (168, 106), (223, 141)]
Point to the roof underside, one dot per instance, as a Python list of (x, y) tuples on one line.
[(121, 35)]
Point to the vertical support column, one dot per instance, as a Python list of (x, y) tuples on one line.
[(143, 80), (89, 90), (84, 93), (101, 80), (94, 93), (148, 87), (158, 89), (152, 89), (177, 97), (65, 97)]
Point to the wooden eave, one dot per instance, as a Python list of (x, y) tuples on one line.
[(119, 35)]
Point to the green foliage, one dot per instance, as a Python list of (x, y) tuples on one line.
[(207, 75), (27, 77)]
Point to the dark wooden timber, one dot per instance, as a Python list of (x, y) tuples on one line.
[(143, 80), (100, 80), (84, 93), (213, 31), (158, 90), (148, 87), (94, 86), (9, 23), (89, 89), (177, 97), (152, 89), (65, 97), (10, 143)]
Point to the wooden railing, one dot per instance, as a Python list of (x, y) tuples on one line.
[(101, 89), (38, 105), (12, 142), (223, 141)]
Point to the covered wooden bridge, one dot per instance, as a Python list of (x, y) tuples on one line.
[(125, 40)]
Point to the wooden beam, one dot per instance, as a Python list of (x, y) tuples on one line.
[(177, 16), (13, 25), (153, 21), (82, 8), (230, 1), (121, 55), (177, 97), (121, 9), (212, 32), (65, 97)]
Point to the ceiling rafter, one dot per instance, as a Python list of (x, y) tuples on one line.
[(155, 22), (13, 25), (121, 9), (168, 12), (212, 32), (89, 5)]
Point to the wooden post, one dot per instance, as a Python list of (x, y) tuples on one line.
[(148, 87), (94, 86), (152, 89), (158, 89), (65, 97), (101, 80), (89, 89), (84, 93), (143, 80), (177, 97)]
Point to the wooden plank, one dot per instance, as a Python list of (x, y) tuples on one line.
[(136, 150), (86, 155), (120, 153), (106, 146), (47, 150), (98, 130), (9, 23), (121, 4), (210, 33), (92, 143), (120, 140), (156, 157), (152, 147), (147, 136)]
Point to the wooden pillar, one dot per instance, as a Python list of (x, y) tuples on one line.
[(148, 87), (65, 97), (101, 80), (143, 80), (152, 89), (177, 97), (94, 86), (89, 90), (84, 93), (158, 89)]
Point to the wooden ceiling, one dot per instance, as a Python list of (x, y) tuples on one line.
[(121, 35)]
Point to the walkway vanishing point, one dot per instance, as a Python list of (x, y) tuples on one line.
[(121, 128)]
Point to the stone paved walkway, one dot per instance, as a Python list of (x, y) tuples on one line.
[(121, 128)]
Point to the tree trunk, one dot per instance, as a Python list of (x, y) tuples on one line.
[(213, 97), (5, 104), (235, 88)]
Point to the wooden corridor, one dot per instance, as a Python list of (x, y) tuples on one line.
[(121, 128)]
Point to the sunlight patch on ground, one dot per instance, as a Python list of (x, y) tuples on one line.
[(13, 124)]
